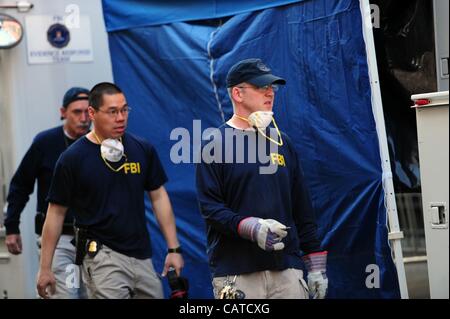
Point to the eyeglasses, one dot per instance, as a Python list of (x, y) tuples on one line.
[(113, 113), (262, 89)]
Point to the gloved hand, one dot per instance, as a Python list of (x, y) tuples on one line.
[(268, 233), (316, 264)]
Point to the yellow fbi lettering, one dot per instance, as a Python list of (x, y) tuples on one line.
[(132, 168), (277, 159)]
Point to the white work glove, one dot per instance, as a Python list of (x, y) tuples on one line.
[(268, 233), (316, 264)]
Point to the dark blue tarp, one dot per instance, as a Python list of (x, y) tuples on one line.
[(175, 73), (125, 14)]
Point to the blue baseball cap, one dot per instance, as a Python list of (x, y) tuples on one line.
[(73, 94), (252, 71)]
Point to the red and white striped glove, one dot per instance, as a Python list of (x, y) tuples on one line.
[(268, 233), (316, 264)]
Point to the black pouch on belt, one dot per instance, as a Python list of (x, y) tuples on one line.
[(80, 245)]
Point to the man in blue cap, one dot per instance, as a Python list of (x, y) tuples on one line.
[(258, 221), (38, 164)]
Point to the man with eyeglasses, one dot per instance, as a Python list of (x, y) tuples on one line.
[(38, 164), (103, 177), (258, 220)]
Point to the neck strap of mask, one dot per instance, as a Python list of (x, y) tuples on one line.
[(100, 142), (116, 170), (279, 143)]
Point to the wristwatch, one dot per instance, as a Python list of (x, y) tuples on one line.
[(176, 250)]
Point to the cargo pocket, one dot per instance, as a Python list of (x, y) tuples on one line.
[(303, 284), (93, 269), (92, 263)]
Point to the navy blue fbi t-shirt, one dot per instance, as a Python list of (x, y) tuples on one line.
[(109, 204)]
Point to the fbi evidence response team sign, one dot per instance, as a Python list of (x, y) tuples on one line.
[(49, 40)]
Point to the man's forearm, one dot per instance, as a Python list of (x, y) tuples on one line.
[(50, 234), (166, 221), (164, 215)]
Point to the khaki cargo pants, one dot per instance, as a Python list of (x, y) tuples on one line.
[(111, 275), (269, 284)]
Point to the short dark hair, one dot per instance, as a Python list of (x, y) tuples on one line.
[(100, 89)]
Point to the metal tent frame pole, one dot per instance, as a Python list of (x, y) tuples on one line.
[(395, 235)]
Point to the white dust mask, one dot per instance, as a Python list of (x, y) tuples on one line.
[(112, 150), (260, 119)]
